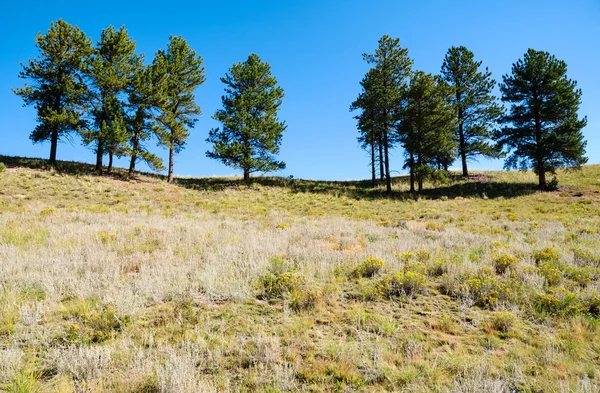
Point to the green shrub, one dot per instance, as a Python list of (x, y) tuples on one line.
[(368, 268), (488, 291), (2, 167), (585, 258), (550, 272), (301, 300), (94, 325), (558, 301), (504, 262), (582, 275), (503, 321), (281, 278), (398, 284), (548, 254)]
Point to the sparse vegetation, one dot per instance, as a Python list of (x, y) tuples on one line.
[(142, 286)]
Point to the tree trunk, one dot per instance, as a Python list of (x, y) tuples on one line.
[(171, 158), (542, 179), (246, 175), (134, 149), (53, 146), (388, 179), (412, 173), (110, 162), (461, 138), (381, 174), (99, 154), (373, 174), (420, 179)]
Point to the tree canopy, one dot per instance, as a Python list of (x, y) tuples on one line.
[(57, 87), (542, 130), (475, 106), (251, 132)]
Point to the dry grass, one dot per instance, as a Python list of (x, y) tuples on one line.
[(109, 285)]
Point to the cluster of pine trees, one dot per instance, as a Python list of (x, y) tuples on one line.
[(107, 94), (439, 118)]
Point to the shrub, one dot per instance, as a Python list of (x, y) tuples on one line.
[(582, 275), (301, 300), (406, 283), (2, 167), (503, 262), (548, 254), (558, 301), (95, 325), (368, 268), (503, 321), (280, 279), (488, 291), (585, 258), (550, 272)]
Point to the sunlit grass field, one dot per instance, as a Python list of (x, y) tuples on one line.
[(116, 285)]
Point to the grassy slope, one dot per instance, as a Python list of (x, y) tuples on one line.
[(208, 285)]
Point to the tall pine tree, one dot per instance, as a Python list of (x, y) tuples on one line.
[(389, 78), (542, 131), (139, 122), (427, 128), (370, 132), (177, 72), (110, 70), (475, 106), (251, 132), (57, 89)]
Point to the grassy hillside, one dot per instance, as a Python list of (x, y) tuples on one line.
[(111, 285)]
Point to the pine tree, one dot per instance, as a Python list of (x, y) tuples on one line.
[(475, 106), (427, 128), (542, 130), (391, 69), (140, 125), (57, 88), (251, 132), (177, 72), (110, 69), (370, 132)]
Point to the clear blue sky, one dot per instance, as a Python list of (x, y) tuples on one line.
[(314, 48)]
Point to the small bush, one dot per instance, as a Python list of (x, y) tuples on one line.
[(558, 301), (368, 268), (301, 300), (550, 272), (488, 291), (2, 167), (398, 284), (281, 278), (504, 262), (503, 321), (96, 325), (585, 258), (548, 254), (582, 275)]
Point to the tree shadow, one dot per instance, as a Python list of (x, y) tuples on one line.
[(74, 168), (477, 186)]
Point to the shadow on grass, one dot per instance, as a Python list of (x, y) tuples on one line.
[(474, 187), (74, 168), (481, 186)]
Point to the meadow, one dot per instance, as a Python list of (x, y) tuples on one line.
[(208, 285)]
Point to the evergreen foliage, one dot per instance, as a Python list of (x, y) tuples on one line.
[(57, 88), (177, 72), (427, 128), (251, 132), (542, 130), (476, 108)]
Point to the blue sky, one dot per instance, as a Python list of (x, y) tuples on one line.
[(314, 48)]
